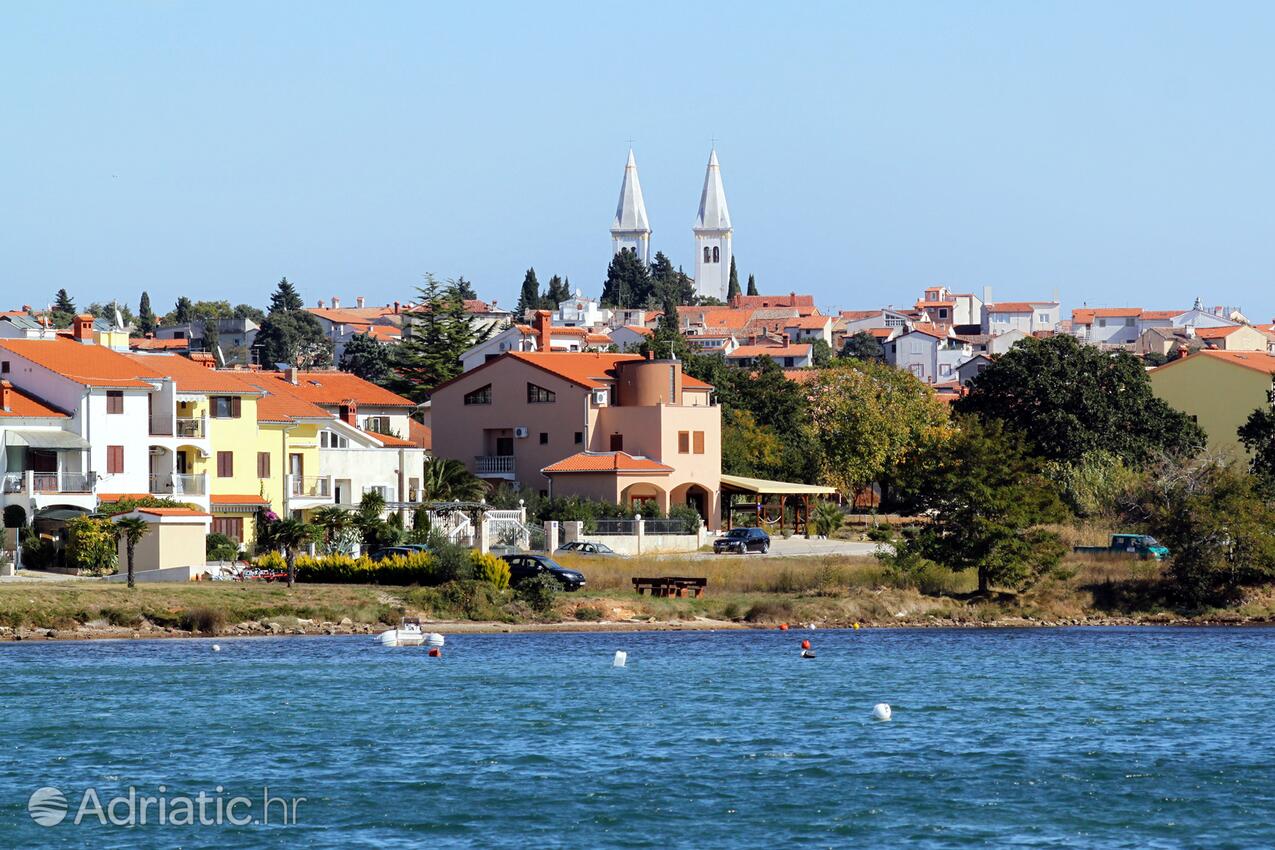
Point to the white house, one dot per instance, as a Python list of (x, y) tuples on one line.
[(931, 353), (42, 464), (972, 368), (629, 337), (1026, 316), (941, 306), (581, 312), (541, 335), (809, 329)]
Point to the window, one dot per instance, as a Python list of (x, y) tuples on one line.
[(617, 442), (716, 256), (377, 424), (945, 369), (708, 255), (1102, 323), (942, 313), (683, 442), (329, 440), (225, 406), (482, 395), (225, 464), (114, 401), (539, 395), (114, 459), (699, 442), (579, 438), (263, 464), (231, 526), (4, 367), (544, 438), (1128, 323)]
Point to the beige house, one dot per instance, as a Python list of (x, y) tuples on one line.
[(1219, 390), (1234, 338), (175, 540), (605, 426)]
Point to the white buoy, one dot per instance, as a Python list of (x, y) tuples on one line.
[(435, 640), (621, 658), (881, 711), (216, 647), (811, 626)]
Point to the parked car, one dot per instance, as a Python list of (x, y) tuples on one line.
[(580, 547), (743, 540), (390, 551), (1143, 546), (523, 567)]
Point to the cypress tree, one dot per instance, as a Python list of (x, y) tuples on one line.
[(628, 282), (529, 299), (556, 293), (285, 298), (145, 315), (732, 289), (752, 286), (183, 310)]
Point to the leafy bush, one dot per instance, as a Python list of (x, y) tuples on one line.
[(880, 534), (827, 518), (270, 561), (130, 503), (453, 563), (493, 570), (221, 547), (539, 592), (208, 621), (769, 611), (91, 545), (589, 613), (1095, 484), (687, 515), (39, 553)]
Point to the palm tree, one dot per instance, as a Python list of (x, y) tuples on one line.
[(827, 518), (290, 535), (449, 481), (333, 520), (131, 530)]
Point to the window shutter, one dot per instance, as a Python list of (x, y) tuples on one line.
[(225, 464), (114, 459), (234, 406), (699, 442), (263, 464)]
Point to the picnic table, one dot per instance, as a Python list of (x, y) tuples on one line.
[(671, 586)]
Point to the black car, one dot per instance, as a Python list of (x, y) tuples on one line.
[(391, 551), (523, 567), (741, 540)]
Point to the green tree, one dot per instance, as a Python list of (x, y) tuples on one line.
[(465, 289), (827, 518), (709, 301), (667, 342), (732, 288), (448, 480), (294, 338), (145, 315), (291, 535), (131, 530), (247, 311), (62, 303), (987, 504), (1216, 526), (752, 284), (529, 297), (369, 358), (556, 293), (285, 298), (863, 346), (331, 520), (870, 419), (90, 545), (749, 448), (1070, 398), (669, 282), (821, 353), (1257, 435), (436, 334), (182, 311), (628, 282)]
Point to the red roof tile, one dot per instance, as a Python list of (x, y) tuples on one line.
[(87, 365), (171, 512), (616, 462), (332, 388), (24, 404), (1256, 360)]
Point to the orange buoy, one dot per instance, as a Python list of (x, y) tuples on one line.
[(783, 627), (805, 644), (435, 652)]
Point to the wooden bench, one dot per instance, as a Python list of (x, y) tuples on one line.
[(671, 586)]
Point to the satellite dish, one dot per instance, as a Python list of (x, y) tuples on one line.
[(119, 320), (221, 357)]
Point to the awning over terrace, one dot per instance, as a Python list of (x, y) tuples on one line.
[(50, 439), (758, 489), (762, 487)]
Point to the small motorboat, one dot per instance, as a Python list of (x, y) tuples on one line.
[(408, 633)]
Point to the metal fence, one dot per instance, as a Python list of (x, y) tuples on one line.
[(666, 526), (615, 526)]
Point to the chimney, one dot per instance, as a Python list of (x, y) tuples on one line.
[(395, 308), (987, 295), (26, 308), (358, 302), (82, 328), (336, 303), (350, 412), (320, 303), (6, 396), (544, 329), (291, 374)]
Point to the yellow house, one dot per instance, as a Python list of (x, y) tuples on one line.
[(1218, 389)]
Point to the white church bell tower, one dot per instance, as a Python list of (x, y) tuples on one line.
[(630, 229), (712, 235)]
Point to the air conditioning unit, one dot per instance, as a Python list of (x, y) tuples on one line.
[(600, 398), (521, 432)]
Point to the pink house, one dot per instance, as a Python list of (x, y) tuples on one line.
[(604, 426)]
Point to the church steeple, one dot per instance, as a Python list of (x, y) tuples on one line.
[(713, 234), (630, 229)]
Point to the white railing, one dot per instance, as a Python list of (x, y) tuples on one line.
[(187, 484), (494, 465), (456, 526), (191, 427), (49, 482), (310, 486), (13, 482)]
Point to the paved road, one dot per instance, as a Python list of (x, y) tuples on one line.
[(800, 546)]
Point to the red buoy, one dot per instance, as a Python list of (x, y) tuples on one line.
[(783, 627), (435, 652), (805, 644)]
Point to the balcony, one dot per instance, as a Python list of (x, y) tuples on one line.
[(179, 484), (307, 490), (46, 488), (193, 428), (494, 466)]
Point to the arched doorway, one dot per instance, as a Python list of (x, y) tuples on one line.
[(636, 495)]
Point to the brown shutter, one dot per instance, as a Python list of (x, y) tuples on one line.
[(114, 459), (263, 464), (225, 464), (699, 442), (234, 406)]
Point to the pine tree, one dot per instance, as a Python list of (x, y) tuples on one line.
[(628, 282), (437, 334), (752, 286), (668, 282), (290, 337), (667, 341), (369, 358), (529, 299), (62, 303), (556, 293), (183, 310), (732, 288), (285, 298), (145, 315), (465, 289)]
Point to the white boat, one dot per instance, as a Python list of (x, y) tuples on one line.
[(408, 633)]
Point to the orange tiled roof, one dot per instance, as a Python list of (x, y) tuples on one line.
[(801, 349), (617, 462), (87, 365), (192, 377), (1216, 333), (936, 331), (1161, 314), (1015, 306), (23, 404), (1086, 315), (792, 299), (1256, 360), (881, 333), (638, 329), (350, 315), (171, 512), (393, 442), (810, 322), (588, 369), (720, 317), (858, 315), (332, 388), (241, 499), (385, 332), (278, 405), (152, 344)]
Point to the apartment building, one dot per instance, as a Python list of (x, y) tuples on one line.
[(610, 426)]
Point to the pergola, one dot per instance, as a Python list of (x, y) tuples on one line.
[(757, 489)]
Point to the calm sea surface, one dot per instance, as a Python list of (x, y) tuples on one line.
[(1044, 738)]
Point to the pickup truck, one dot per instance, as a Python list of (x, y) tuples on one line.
[(1142, 545)]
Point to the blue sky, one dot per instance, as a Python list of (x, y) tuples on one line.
[(1117, 153)]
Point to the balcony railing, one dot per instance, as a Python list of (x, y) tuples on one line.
[(310, 486), (494, 465), (179, 484), (49, 482), (191, 427)]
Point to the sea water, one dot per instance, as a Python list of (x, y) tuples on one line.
[(1087, 737)]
